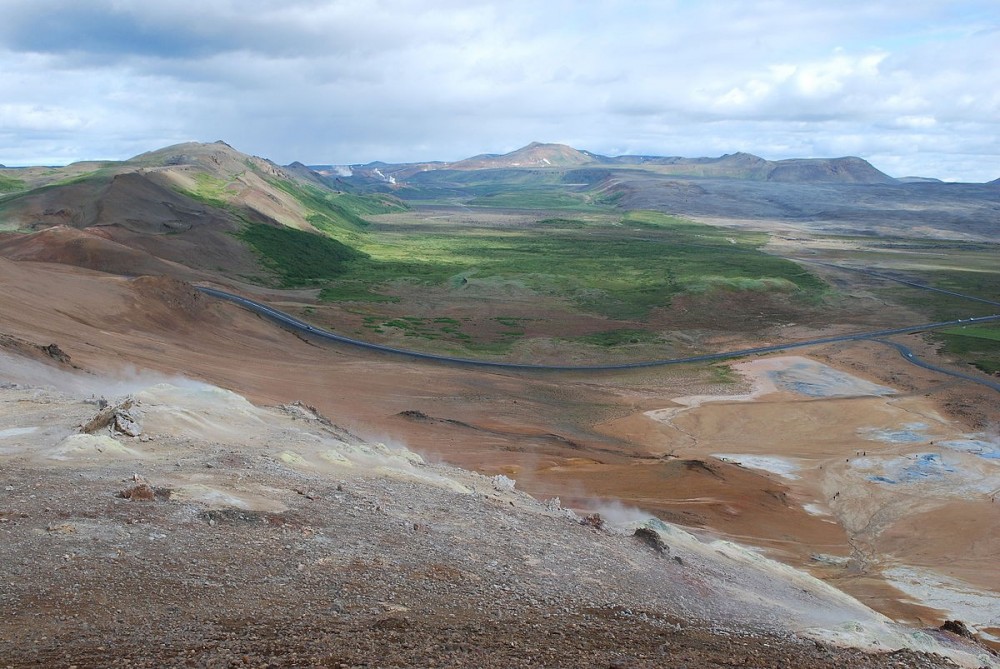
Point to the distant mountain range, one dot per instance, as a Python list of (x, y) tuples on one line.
[(195, 210), (539, 155)]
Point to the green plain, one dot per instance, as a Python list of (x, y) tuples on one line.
[(620, 270)]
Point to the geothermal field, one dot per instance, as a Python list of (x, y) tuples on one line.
[(501, 412)]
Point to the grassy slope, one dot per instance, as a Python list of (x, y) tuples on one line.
[(620, 268), (298, 257), (979, 345), (620, 271), (969, 268), (89, 184), (10, 184), (329, 212)]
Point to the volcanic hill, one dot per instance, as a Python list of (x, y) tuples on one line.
[(186, 205)]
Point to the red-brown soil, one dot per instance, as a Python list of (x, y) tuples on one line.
[(576, 436)]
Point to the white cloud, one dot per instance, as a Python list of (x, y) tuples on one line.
[(404, 80), (28, 118)]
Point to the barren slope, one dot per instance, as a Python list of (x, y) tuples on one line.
[(221, 532), (550, 432)]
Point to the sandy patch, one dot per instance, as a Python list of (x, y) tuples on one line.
[(798, 375), (219, 498), (91, 447), (811, 378), (875, 463), (197, 409), (338, 458), (942, 474), (815, 510), (783, 467), (959, 600), (16, 432), (980, 445)]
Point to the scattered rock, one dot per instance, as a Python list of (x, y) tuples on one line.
[(702, 467), (957, 627), (126, 424), (122, 418), (233, 515), (62, 528), (330, 582), (56, 353), (26, 348), (502, 484), (143, 492), (393, 622), (652, 539), (554, 505), (779, 495), (138, 493), (300, 410)]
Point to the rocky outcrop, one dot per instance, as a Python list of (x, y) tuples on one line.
[(652, 539), (122, 418), (48, 353)]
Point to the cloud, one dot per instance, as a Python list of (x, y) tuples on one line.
[(402, 80)]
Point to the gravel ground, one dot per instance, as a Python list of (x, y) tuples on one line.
[(218, 545)]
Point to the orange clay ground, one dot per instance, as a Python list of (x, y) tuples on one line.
[(866, 470)]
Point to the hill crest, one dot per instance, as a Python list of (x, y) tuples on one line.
[(535, 154), (188, 204), (739, 165)]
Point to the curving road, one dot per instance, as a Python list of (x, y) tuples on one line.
[(910, 356), (905, 282), (305, 328)]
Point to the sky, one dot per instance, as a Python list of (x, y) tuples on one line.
[(913, 87)]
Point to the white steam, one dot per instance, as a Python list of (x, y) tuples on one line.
[(127, 381), (617, 514)]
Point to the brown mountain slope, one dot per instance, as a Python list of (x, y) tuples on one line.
[(536, 154), (184, 205), (127, 223), (130, 200), (84, 248)]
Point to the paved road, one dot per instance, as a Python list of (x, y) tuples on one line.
[(910, 356), (905, 282), (907, 354), (306, 328)]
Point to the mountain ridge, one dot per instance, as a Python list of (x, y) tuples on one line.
[(739, 165), (190, 203)]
